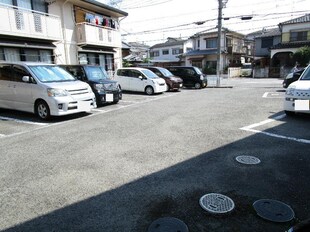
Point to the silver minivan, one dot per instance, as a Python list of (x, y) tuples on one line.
[(44, 89)]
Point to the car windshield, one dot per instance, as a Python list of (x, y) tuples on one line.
[(96, 73), (149, 74), (246, 66), (306, 74), (197, 70), (165, 72), (50, 73)]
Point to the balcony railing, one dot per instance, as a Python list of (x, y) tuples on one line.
[(236, 48), (89, 34), (27, 23)]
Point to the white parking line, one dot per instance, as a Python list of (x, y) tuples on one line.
[(46, 125), (250, 129), (23, 121), (272, 95)]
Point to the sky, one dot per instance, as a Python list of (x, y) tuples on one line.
[(153, 21)]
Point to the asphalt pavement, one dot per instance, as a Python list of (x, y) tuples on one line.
[(124, 166)]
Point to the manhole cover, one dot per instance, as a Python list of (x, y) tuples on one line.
[(273, 210), (168, 224), (246, 159), (216, 203)]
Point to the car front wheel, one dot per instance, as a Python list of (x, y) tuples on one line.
[(197, 85), (149, 90), (42, 110)]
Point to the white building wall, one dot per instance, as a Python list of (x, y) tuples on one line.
[(65, 51), (294, 27)]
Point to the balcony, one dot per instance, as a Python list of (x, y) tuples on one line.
[(236, 48), (90, 34), (31, 24)]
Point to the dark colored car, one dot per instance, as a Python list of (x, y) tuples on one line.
[(192, 76), (105, 90), (172, 82), (291, 77)]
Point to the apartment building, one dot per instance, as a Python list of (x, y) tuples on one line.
[(61, 32)]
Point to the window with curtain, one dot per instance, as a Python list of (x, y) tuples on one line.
[(11, 54), (109, 62), (92, 58), (24, 4), (46, 56), (8, 2), (211, 43), (102, 61), (31, 55)]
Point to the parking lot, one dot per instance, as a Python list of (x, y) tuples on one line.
[(123, 166)]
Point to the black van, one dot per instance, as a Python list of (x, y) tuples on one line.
[(192, 76), (105, 90)]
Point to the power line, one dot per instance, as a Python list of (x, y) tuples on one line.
[(209, 20), (146, 3)]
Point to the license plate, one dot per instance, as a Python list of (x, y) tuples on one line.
[(109, 97), (302, 105), (84, 105)]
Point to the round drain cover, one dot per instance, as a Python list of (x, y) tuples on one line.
[(168, 224), (216, 203), (273, 210), (246, 159)]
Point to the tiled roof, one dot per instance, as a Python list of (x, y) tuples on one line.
[(168, 44), (269, 33), (302, 19)]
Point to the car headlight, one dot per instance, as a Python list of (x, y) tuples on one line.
[(290, 91), (289, 76), (99, 87), (201, 77), (57, 92)]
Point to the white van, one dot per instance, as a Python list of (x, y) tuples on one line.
[(297, 95), (141, 80), (44, 89)]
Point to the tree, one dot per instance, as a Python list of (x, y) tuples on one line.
[(302, 56)]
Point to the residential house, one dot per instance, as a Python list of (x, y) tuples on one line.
[(28, 31), (263, 41), (62, 32), (295, 33), (137, 53), (204, 53), (170, 52)]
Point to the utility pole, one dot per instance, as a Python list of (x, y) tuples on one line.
[(222, 3)]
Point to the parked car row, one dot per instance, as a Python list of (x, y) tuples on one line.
[(54, 90), (297, 95), (43, 89), (156, 79)]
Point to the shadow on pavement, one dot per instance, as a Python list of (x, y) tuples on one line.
[(175, 192)]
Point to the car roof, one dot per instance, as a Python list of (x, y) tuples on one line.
[(182, 67), (133, 68), (27, 63), (80, 65)]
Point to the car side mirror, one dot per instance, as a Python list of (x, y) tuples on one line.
[(141, 78), (26, 79)]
